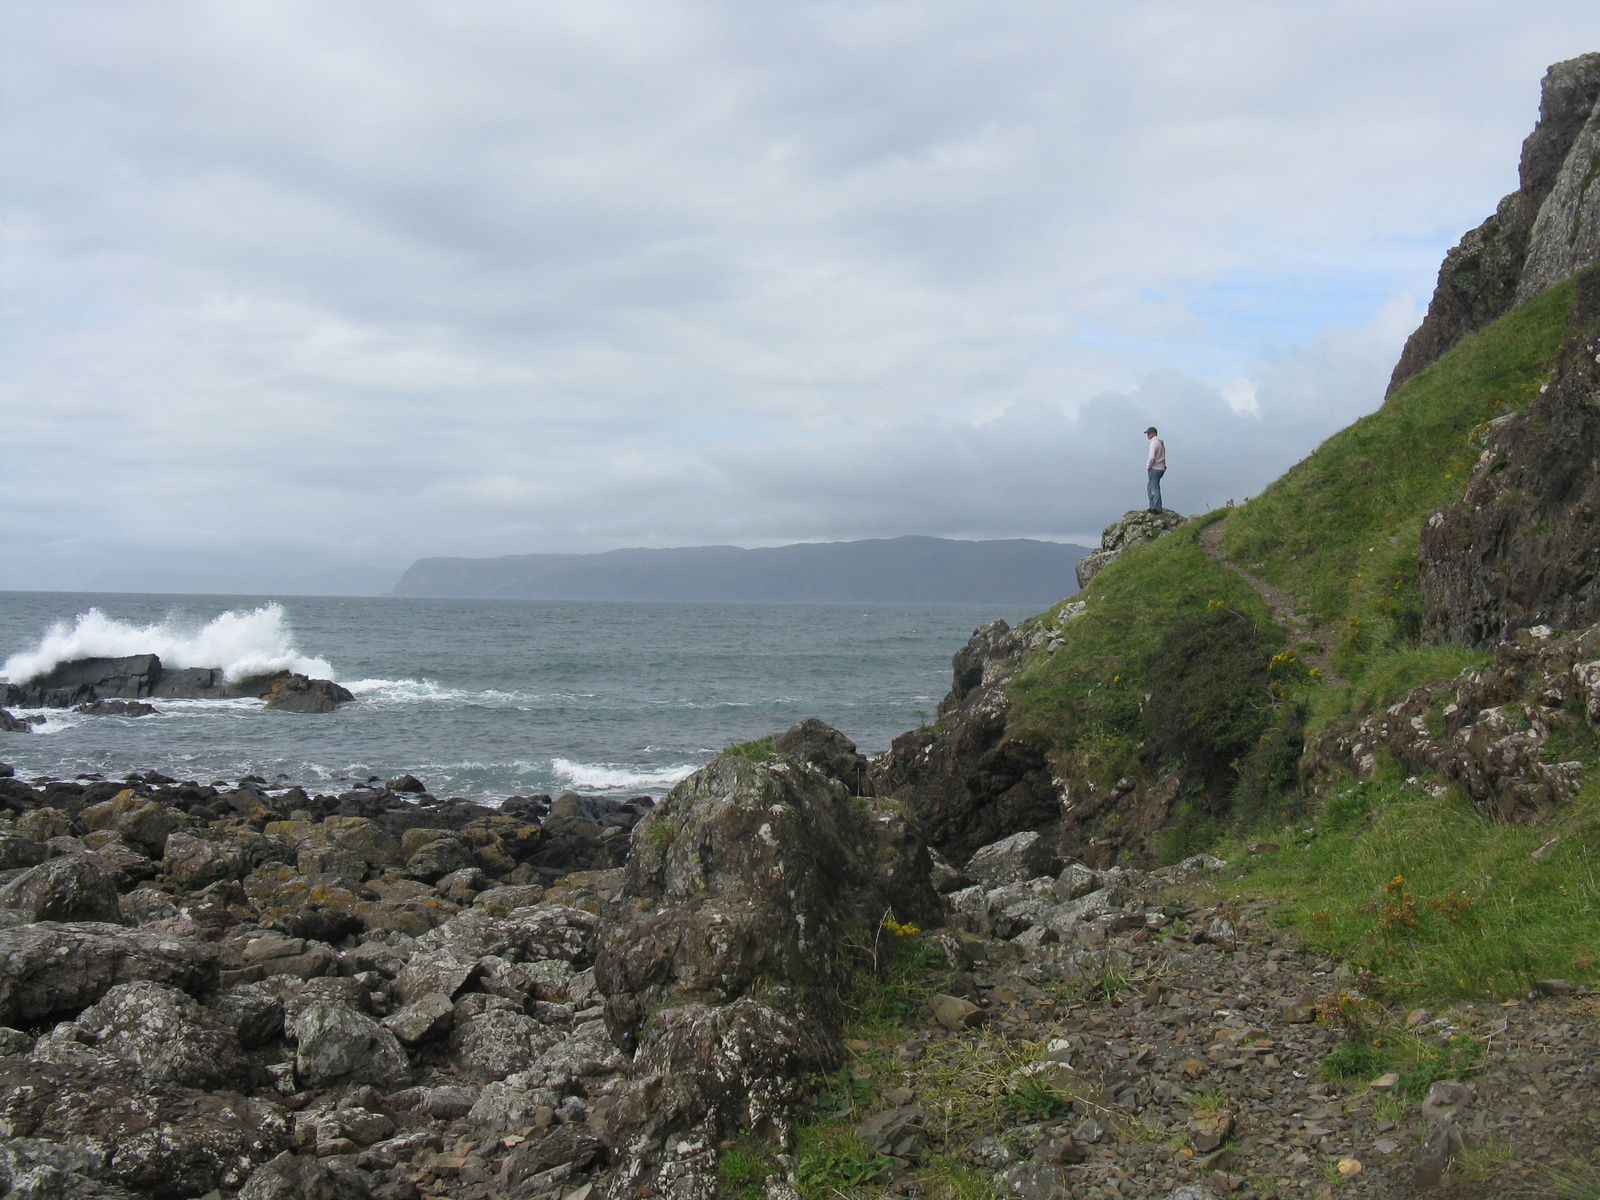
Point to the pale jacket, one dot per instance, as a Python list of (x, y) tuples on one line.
[(1158, 455)]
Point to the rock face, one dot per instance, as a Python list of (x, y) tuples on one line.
[(747, 873), (1136, 527), (1541, 233), (1522, 548), (90, 682), (969, 782), (1493, 731)]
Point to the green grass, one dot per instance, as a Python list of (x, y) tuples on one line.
[(1085, 699), (757, 751), (743, 1169), (1340, 530), (1432, 897)]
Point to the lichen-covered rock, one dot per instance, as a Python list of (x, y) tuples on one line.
[(440, 857), (49, 968), (1020, 857), (253, 1013), (1136, 527), (425, 1019), (550, 931), (194, 862), (702, 1072), (753, 870), (337, 1044), (1493, 731), (1518, 549), (498, 1043), (31, 1169), (24, 851), (75, 887), (302, 1177), (165, 1036), (159, 1140), (143, 822)]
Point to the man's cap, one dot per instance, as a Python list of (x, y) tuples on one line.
[(1152, 429)]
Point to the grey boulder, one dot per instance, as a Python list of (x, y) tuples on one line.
[(336, 1044)]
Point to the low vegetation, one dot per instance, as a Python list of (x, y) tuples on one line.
[(1177, 664)]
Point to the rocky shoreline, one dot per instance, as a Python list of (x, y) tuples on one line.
[(251, 991)]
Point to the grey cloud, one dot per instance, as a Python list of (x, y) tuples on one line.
[(297, 283)]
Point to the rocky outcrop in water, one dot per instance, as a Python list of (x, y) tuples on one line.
[(1522, 547), (106, 684), (1541, 233)]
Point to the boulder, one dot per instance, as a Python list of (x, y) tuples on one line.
[(49, 968), (193, 862), (702, 1072), (165, 1036), (302, 1177), (435, 972), (143, 822), (406, 783), (10, 724), (498, 1043), (1020, 857), (335, 1044), (163, 1143), (75, 887), (438, 858), (26, 850), (117, 708), (31, 1169), (425, 1019), (253, 1012), (825, 748), (296, 693), (42, 824), (753, 871)]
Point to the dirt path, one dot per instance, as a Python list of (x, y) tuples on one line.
[(1279, 601)]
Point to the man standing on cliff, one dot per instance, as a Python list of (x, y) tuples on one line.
[(1155, 466)]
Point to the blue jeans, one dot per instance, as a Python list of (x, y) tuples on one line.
[(1153, 489)]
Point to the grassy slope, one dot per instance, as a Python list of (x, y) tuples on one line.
[(1339, 532), (1083, 699)]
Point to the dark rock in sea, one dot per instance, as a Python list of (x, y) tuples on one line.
[(406, 783), (296, 693), (117, 708), (87, 681), (1541, 233), (10, 724)]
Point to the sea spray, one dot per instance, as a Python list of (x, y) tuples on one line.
[(242, 642)]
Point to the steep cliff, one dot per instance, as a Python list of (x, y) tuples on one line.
[(1522, 546), (1540, 234)]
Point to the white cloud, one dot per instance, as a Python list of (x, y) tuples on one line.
[(296, 283)]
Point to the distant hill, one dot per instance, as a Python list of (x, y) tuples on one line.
[(911, 570)]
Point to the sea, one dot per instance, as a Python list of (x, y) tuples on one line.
[(481, 699)]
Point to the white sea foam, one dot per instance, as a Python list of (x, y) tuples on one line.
[(615, 779), (242, 642)]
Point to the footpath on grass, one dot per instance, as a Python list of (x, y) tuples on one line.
[(1176, 1043), (1284, 609)]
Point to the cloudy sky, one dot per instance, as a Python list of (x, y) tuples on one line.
[(293, 288)]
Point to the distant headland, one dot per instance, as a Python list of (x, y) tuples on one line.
[(903, 570)]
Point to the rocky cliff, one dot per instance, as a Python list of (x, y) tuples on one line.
[(1541, 233), (1522, 546)]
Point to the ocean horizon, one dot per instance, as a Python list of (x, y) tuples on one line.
[(482, 699)]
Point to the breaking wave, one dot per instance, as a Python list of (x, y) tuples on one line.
[(617, 779), (242, 642)]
